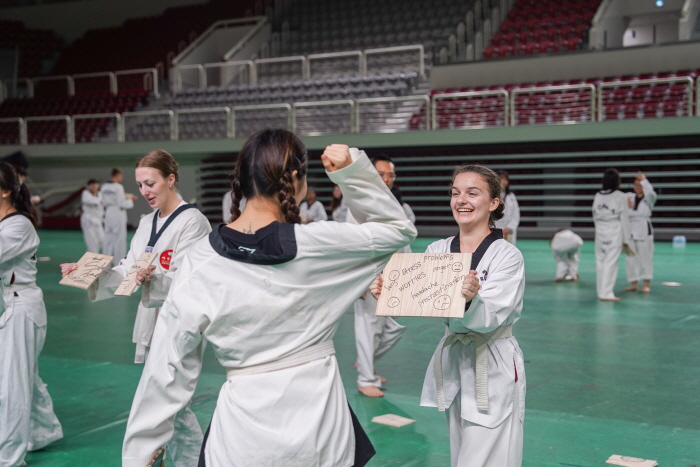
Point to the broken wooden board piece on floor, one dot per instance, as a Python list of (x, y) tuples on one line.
[(627, 461), (393, 420)]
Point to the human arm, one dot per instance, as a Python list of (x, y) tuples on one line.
[(16, 240), (89, 199), (409, 212), (649, 193)]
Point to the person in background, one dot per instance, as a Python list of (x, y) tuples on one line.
[(27, 419), (116, 202), (641, 203), (92, 216), (226, 206), (338, 208), (511, 216), (566, 246), (22, 174), (312, 210), (612, 233)]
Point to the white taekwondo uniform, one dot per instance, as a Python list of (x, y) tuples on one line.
[(375, 335), (91, 219), (485, 399), (27, 419), (115, 204), (340, 214), (183, 231), (316, 212), (270, 318), (566, 246), (610, 216), (640, 266), (511, 216)]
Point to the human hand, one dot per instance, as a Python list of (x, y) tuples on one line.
[(640, 176), (376, 287), (67, 268), (336, 157), (470, 286), (630, 202), (131, 196), (144, 275)]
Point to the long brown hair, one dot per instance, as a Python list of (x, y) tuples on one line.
[(264, 168), (20, 197), (493, 181)]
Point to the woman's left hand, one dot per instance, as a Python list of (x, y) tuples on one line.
[(144, 275), (470, 286)]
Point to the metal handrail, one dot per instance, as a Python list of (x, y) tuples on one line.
[(351, 53), (294, 58), (379, 100), (210, 30), (544, 89), (401, 48), (229, 117), (628, 84), (70, 137), (251, 67), (148, 72), (445, 96), (115, 115), (697, 97), (109, 74), (22, 128), (146, 113), (28, 83), (241, 43), (69, 82), (348, 102), (201, 78), (287, 107)]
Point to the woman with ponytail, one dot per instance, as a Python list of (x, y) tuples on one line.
[(268, 293), (27, 419)]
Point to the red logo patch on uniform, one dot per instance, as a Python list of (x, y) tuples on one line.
[(165, 259)]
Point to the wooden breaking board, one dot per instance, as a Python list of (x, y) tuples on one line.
[(128, 285), (90, 266), (424, 284)]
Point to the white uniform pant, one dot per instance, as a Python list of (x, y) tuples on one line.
[(374, 337), (27, 419), (567, 262), (93, 232), (473, 445), (186, 443), (115, 234), (640, 266), (606, 257)]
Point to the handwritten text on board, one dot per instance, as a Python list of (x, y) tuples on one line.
[(90, 266)]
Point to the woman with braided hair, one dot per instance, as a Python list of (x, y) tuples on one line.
[(27, 419), (268, 293)]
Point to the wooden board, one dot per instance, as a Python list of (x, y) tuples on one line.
[(128, 285), (424, 284), (90, 266), (628, 461), (393, 420)]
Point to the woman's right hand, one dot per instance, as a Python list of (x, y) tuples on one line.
[(376, 287), (336, 157), (67, 268)]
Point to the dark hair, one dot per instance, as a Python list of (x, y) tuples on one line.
[(335, 202), (381, 157), (21, 171), (264, 168), (116, 171), (396, 191), (91, 181), (504, 173), (611, 179), (493, 180), (162, 161), (20, 197)]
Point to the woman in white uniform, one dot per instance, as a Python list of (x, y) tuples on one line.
[(338, 208), (92, 217), (477, 372), (511, 215), (641, 202), (566, 246), (610, 216), (27, 419), (116, 202), (169, 231), (268, 293)]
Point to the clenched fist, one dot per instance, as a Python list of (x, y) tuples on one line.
[(336, 157), (470, 286)]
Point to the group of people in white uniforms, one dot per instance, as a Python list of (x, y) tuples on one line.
[(116, 202), (268, 293), (27, 418), (169, 231), (92, 217), (311, 210), (641, 203)]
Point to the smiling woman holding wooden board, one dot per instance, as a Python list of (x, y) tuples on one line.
[(477, 371), (162, 237)]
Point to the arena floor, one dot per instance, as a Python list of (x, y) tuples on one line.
[(603, 378)]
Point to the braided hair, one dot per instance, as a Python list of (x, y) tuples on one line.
[(20, 197), (264, 168)]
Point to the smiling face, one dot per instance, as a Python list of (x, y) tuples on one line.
[(470, 200), (154, 187)]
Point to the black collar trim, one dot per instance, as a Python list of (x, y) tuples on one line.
[(287, 239), (496, 234), (16, 213)]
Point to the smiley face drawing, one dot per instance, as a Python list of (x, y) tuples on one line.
[(393, 302), (443, 302), (393, 275), (457, 267)]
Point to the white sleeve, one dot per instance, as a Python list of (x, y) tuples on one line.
[(169, 377), (649, 193), (513, 213), (121, 198), (409, 212), (625, 220), (155, 291), (110, 279), (87, 198), (319, 212), (14, 243)]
